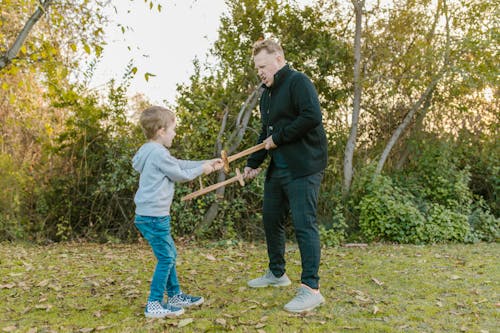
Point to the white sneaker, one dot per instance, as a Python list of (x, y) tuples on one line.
[(156, 310), (306, 300), (269, 279)]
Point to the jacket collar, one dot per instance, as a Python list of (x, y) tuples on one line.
[(279, 77)]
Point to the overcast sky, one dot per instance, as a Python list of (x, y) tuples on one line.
[(162, 43)]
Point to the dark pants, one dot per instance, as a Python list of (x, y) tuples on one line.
[(299, 196)]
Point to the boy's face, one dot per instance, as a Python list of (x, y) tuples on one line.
[(267, 64), (166, 135)]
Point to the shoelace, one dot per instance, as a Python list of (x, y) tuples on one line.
[(180, 298), (301, 295)]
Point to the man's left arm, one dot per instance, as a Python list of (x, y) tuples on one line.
[(305, 98)]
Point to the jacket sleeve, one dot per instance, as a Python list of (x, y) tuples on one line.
[(178, 170), (304, 99)]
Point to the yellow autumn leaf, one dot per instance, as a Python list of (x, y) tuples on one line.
[(148, 75), (86, 47)]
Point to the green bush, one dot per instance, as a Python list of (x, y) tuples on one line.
[(13, 180), (444, 225), (484, 226), (388, 213)]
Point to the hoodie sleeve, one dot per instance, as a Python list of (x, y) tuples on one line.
[(186, 164), (178, 170)]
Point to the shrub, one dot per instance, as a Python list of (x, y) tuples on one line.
[(484, 226), (445, 225), (12, 182), (388, 213)]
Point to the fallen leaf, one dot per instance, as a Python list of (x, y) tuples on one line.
[(455, 277), (375, 309), (43, 283), (7, 286), (210, 257), (377, 282), (86, 330), (260, 325), (185, 322), (221, 321)]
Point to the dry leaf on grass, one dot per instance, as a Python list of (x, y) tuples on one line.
[(185, 322), (377, 282)]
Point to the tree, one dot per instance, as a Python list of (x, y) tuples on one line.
[(12, 52), (228, 95), (351, 142)]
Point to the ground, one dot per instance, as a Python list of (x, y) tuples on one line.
[(83, 287)]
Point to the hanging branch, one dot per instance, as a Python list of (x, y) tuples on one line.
[(12, 52), (234, 141), (428, 91)]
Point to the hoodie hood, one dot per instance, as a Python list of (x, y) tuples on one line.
[(140, 158)]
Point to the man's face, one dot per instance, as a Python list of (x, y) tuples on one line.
[(267, 64)]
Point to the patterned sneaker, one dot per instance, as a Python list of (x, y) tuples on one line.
[(306, 300), (184, 300), (269, 279), (156, 310)]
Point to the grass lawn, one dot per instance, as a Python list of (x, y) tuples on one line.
[(73, 287)]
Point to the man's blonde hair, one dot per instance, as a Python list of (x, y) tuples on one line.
[(268, 45), (154, 118)]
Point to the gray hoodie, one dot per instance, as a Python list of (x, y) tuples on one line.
[(159, 170)]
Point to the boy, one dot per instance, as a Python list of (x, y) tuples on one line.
[(158, 172)]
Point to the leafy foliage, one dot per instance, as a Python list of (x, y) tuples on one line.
[(65, 151)]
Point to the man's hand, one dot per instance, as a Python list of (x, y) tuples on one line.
[(270, 143), (250, 173)]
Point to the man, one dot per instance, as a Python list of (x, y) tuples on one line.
[(295, 139)]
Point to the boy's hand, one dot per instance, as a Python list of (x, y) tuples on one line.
[(212, 165), (217, 163)]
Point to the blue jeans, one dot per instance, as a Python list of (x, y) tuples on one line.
[(156, 230)]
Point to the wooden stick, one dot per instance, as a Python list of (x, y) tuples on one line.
[(246, 152), (237, 178), (228, 159)]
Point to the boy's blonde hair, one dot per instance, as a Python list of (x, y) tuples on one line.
[(154, 118), (268, 45)]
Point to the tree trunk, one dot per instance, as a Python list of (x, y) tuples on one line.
[(416, 129), (234, 140), (7, 57), (351, 142), (424, 97), (406, 121)]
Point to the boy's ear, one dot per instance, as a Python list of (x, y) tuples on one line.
[(159, 132)]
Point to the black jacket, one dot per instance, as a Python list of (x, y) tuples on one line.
[(290, 111)]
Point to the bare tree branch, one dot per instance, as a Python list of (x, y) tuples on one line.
[(428, 91), (12, 52)]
